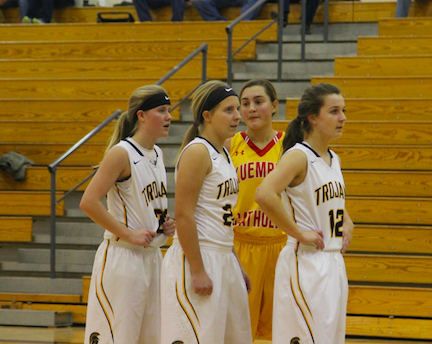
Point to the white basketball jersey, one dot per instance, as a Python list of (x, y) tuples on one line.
[(217, 198), (140, 201), (319, 201)]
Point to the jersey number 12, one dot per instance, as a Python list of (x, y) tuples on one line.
[(336, 224)]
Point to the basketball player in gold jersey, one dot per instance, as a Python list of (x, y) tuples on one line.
[(255, 152)]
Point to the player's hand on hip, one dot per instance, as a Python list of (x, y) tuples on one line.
[(202, 284), (169, 226), (313, 237), (346, 237), (142, 237)]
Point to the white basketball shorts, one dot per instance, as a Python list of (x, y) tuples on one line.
[(124, 296), (310, 299), (221, 318)]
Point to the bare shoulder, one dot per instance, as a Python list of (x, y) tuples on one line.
[(195, 157), (117, 154), (116, 162), (295, 156)]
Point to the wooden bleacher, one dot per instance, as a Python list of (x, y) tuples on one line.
[(374, 109), (138, 48), (383, 65), (381, 87), (412, 27), (38, 179), (381, 133), (154, 32), (16, 229), (30, 203), (397, 45), (386, 160)]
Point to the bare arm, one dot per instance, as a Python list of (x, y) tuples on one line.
[(114, 166), (348, 230), (291, 170), (193, 167)]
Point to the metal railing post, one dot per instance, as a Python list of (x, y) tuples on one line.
[(204, 65), (280, 39), (230, 57), (326, 20), (303, 30), (53, 172)]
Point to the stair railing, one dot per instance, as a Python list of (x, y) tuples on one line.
[(230, 29), (203, 48)]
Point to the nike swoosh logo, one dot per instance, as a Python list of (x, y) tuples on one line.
[(312, 161), (228, 89), (136, 162), (166, 98), (215, 158)]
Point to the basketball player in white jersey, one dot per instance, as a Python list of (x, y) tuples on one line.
[(311, 287), (124, 296), (204, 288)]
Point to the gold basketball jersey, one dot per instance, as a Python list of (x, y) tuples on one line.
[(252, 165)]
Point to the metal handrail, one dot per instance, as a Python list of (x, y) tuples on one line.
[(303, 27), (230, 28), (203, 48), (326, 20)]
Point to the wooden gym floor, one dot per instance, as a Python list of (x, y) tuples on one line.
[(75, 334)]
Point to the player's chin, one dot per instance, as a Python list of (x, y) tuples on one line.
[(165, 131), (232, 130)]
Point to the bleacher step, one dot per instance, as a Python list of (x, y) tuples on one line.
[(44, 268), (41, 285), (19, 317), (284, 89), (78, 213), (314, 51), (337, 32), (72, 233), (292, 70)]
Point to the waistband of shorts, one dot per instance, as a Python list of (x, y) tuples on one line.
[(123, 243), (206, 245), (249, 239), (309, 247)]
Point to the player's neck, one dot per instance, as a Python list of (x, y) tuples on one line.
[(261, 137), (318, 145), (145, 141), (214, 139)]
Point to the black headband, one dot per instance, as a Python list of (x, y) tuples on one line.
[(155, 101), (216, 97)]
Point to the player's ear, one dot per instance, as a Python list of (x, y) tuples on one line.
[(140, 114), (275, 106), (312, 118), (207, 116)]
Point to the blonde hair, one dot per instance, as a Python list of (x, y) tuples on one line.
[(126, 124), (200, 97)]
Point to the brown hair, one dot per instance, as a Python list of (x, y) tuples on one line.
[(267, 85), (310, 104)]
